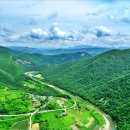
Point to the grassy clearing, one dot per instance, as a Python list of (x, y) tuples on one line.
[(7, 122), (58, 103), (80, 116), (29, 85), (50, 121), (14, 101), (21, 125), (52, 105)]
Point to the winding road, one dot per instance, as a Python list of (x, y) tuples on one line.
[(108, 122)]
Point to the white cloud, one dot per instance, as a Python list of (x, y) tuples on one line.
[(38, 33), (56, 32), (17, 37), (102, 31), (4, 32), (55, 37), (125, 19), (121, 18), (99, 31)]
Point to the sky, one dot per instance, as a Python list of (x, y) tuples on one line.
[(65, 23)]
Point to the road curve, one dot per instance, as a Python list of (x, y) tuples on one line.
[(107, 125)]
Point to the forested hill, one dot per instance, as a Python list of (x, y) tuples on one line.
[(39, 62), (104, 80), (9, 69), (14, 64)]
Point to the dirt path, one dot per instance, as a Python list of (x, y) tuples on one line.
[(91, 120), (35, 126), (26, 114), (74, 127), (33, 113), (107, 124)]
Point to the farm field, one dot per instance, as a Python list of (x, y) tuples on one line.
[(20, 125), (12, 122), (67, 117)]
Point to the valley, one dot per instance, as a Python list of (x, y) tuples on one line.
[(57, 92), (66, 112)]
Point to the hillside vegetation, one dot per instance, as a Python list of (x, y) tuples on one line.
[(15, 85), (39, 62), (104, 80), (10, 71), (13, 64)]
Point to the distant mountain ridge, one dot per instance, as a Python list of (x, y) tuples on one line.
[(33, 61), (92, 50)]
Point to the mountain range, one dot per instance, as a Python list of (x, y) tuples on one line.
[(92, 50)]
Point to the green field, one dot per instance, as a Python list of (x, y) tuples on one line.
[(21, 125), (10, 123), (77, 115), (14, 101)]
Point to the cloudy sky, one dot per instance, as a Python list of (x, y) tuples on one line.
[(65, 23)]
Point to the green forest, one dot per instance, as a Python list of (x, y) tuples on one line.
[(104, 80)]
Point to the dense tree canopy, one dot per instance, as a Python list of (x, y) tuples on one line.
[(104, 80)]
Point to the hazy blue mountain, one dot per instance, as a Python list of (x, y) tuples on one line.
[(92, 50)]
